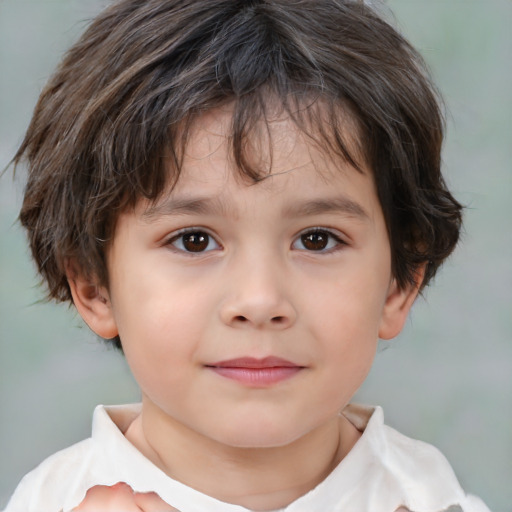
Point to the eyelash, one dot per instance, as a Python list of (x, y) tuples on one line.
[(191, 231), (330, 235)]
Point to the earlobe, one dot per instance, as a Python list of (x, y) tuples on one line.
[(93, 303), (398, 304)]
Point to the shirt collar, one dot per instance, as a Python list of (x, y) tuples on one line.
[(374, 475), (123, 462)]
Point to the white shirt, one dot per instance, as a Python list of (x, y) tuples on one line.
[(384, 471)]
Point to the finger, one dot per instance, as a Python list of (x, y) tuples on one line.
[(151, 502), (102, 498)]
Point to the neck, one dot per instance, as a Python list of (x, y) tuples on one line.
[(256, 478)]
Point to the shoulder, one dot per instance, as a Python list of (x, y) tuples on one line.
[(397, 454), (416, 458), (411, 473), (44, 489), (61, 481), (470, 504), (426, 475)]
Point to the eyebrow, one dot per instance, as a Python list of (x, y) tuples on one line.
[(187, 206), (217, 206), (342, 205)]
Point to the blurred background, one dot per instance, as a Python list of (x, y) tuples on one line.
[(446, 380)]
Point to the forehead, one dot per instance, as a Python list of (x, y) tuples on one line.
[(295, 171), (276, 142)]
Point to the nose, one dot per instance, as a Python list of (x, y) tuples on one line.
[(258, 298)]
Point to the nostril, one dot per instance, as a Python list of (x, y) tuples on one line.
[(240, 318), (278, 320)]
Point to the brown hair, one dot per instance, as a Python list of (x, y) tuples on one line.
[(125, 94)]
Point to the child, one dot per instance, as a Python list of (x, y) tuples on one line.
[(243, 196)]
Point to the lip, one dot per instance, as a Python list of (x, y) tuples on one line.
[(254, 372)]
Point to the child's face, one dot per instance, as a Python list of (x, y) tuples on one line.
[(296, 268)]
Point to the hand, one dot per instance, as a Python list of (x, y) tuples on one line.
[(121, 498)]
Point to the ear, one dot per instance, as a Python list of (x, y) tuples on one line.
[(93, 303), (398, 304)]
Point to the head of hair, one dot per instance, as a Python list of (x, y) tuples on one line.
[(111, 124)]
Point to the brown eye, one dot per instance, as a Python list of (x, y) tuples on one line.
[(318, 240), (194, 241), (315, 240)]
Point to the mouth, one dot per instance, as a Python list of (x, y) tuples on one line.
[(253, 372)]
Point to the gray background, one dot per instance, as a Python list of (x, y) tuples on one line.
[(447, 379)]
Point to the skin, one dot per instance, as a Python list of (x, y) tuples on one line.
[(297, 266), (120, 497)]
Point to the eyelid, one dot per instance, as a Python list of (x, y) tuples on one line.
[(169, 239), (340, 238)]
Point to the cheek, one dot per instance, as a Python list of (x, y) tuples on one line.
[(347, 310), (161, 328), (348, 350), (344, 321), (348, 354), (158, 304)]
